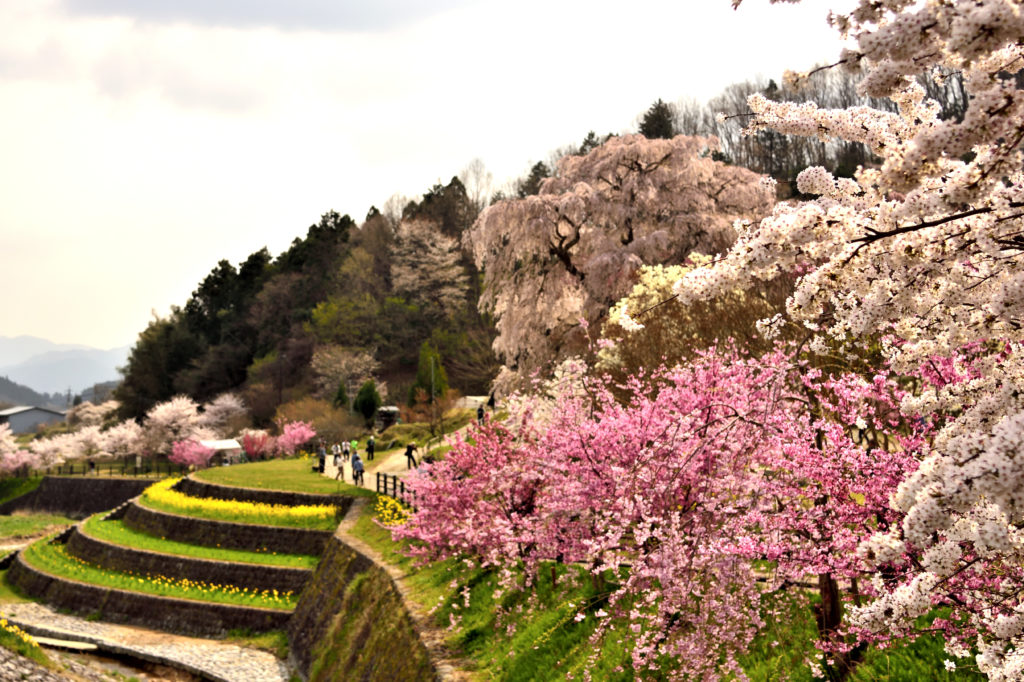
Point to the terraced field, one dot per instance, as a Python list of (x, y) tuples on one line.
[(201, 562)]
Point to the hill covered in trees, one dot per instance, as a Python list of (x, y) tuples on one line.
[(351, 301), (346, 302)]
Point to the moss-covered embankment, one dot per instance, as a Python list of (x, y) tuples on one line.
[(77, 497), (351, 624)]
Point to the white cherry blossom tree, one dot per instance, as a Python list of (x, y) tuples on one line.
[(925, 250)]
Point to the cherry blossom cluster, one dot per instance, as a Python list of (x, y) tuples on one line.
[(95, 434), (191, 453), (573, 249), (926, 251), (674, 482), (293, 435), (12, 457)]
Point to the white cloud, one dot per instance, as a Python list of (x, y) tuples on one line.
[(143, 143), (323, 15)]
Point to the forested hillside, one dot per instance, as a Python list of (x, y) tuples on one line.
[(346, 302), (12, 393)]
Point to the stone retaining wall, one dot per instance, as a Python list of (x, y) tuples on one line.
[(77, 496), (225, 534), (201, 619), (253, 576), (193, 487), (350, 623)]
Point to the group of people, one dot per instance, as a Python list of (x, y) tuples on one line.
[(349, 451)]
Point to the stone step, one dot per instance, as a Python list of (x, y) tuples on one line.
[(65, 644)]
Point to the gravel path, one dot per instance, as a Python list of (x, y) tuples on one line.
[(15, 667), (211, 659)]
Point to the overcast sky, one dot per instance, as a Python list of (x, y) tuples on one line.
[(142, 140)]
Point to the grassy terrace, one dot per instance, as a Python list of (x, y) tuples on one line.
[(115, 532), (19, 526), (547, 643), (292, 475), (160, 497), (16, 487), (54, 559)]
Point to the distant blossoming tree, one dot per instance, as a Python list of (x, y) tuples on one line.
[(87, 442), (52, 451), (426, 267), (174, 420), (219, 414), (336, 366), (257, 443), (122, 439), (293, 435), (88, 414), (573, 249), (13, 456)]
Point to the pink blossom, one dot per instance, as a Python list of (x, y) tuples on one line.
[(191, 453)]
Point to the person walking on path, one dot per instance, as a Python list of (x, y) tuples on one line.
[(357, 469), (321, 452), (352, 460), (370, 447), (346, 449), (410, 458), (339, 475), (480, 414), (336, 451)]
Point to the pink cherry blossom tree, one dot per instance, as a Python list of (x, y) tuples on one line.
[(293, 435), (673, 483), (257, 443), (191, 453)]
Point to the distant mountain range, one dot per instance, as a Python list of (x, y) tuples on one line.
[(52, 368)]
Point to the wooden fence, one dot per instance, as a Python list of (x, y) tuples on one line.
[(392, 486), (109, 467)]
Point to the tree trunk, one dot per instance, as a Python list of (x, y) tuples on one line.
[(829, 617)]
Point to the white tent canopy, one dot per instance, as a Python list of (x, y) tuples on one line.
[(227, 447)]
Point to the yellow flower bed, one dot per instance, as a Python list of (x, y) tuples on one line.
[(161, 496), (13, 629), (55, 559), (390, 511)]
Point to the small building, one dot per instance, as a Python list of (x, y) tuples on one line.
[(26, 418), (386, 416), (224, 451)]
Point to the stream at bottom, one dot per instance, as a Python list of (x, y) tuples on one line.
[(123, 667)]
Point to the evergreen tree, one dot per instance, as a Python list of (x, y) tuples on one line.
[(341, 397), (530, 185), (430, 374), (659, 122), (367, 401)]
